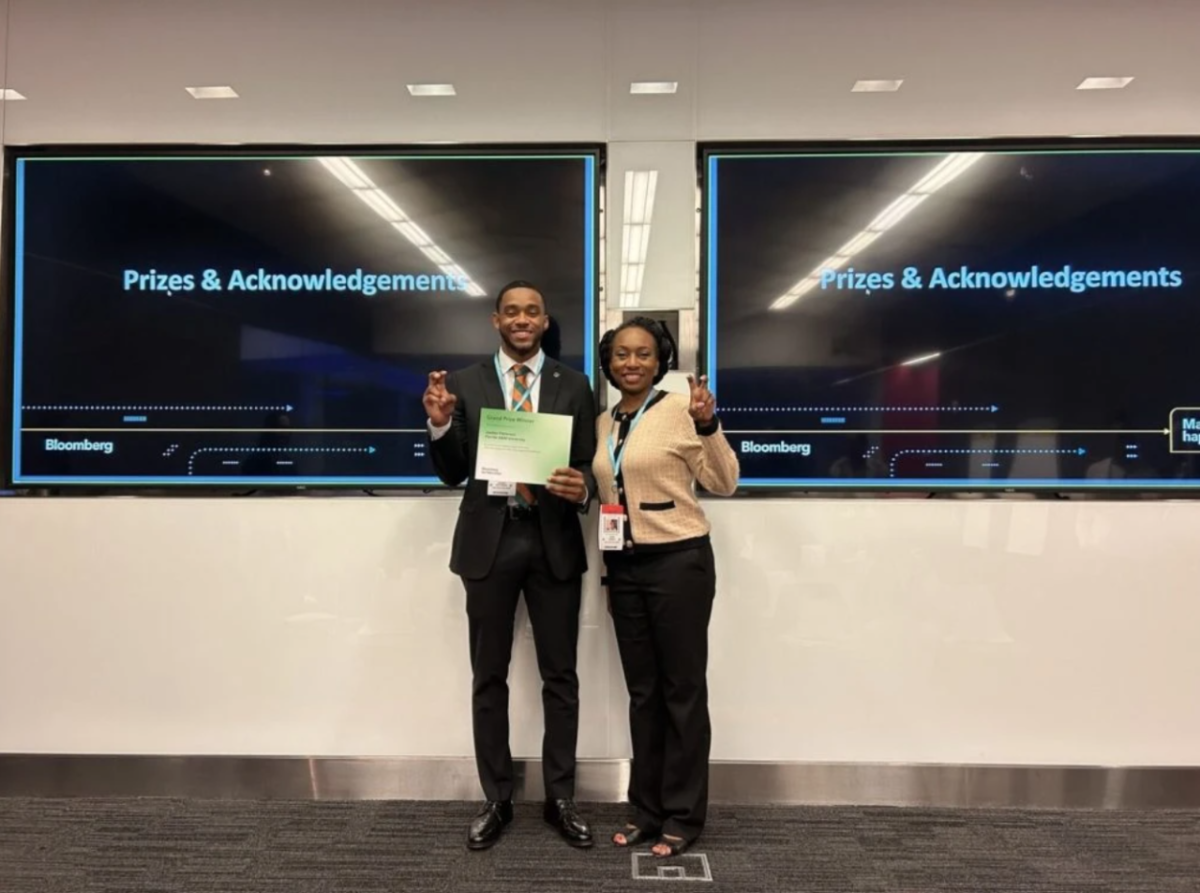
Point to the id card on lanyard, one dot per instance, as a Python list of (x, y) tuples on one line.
[(612, 516), (509, 488)]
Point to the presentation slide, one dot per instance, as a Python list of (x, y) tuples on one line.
[(247, 321), (922, 320)]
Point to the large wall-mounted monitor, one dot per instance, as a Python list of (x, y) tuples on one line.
[(969, 317), (251, 319)]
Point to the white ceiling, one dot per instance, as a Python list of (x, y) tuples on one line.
[(549, 70)]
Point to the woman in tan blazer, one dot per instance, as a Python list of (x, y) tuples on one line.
[(653, 449)]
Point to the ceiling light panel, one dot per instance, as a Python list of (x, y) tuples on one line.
[(948, 170), (1104, 83), (895, 212), (352, 176), (379, 202), (640, 190), (432, 90), (921, 359), (414, 234), (944, 172), (857, 244), (877, 86), (645, 88), (224, 92)]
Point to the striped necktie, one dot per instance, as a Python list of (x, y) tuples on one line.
[(522, 399)]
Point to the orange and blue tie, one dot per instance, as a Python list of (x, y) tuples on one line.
[(522, 400)]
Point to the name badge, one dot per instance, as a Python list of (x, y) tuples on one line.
[(502, 488), (612, 528)]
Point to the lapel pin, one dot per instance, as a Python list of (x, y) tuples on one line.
[(556, 375)]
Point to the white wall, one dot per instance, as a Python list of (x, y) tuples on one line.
[(844, 630)]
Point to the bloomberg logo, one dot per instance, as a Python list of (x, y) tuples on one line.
[(754, 447), (54, 445)]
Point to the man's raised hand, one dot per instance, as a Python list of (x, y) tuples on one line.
[(439, 402)]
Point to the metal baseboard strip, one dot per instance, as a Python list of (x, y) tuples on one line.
[(847, 784)]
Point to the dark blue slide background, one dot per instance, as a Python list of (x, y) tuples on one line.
[(972, 388), (272, 387)]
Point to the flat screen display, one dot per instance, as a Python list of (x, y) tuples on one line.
[(957, 318), (252, 320)]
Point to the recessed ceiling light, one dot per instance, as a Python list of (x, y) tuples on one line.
[(212, 92), (432, 90), (877, 86), (1104, 83), (645, 87), (9, 95)]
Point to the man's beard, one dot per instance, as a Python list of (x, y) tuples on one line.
[(521, 352)]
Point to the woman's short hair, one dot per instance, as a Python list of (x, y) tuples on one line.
[(668, 353)]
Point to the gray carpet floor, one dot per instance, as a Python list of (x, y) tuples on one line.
[(204, 846)]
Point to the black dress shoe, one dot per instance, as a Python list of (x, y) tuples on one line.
[(487, 825), (565, 817)]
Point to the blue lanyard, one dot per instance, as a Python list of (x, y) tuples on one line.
[(527, 395), (613, 456)]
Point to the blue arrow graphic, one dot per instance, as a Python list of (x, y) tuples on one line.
[(1078, 451), (991, 408), (183, 408), (323, 450)]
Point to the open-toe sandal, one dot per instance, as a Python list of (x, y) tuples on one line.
[(677, 846), (633, 836)]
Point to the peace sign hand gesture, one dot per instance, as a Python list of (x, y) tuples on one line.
[(703, 404)]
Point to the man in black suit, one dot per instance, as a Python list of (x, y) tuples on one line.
[(511, 539)]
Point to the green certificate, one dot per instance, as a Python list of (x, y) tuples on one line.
[(522, 447)]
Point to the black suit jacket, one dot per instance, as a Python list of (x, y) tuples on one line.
[(481, 517)]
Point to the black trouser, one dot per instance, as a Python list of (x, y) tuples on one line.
[(661, 605), (554, 613)]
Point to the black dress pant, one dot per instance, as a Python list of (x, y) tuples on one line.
[(661, 605), (554, 614)]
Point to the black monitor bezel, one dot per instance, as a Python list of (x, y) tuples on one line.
[(705, 150), (14, 153)]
